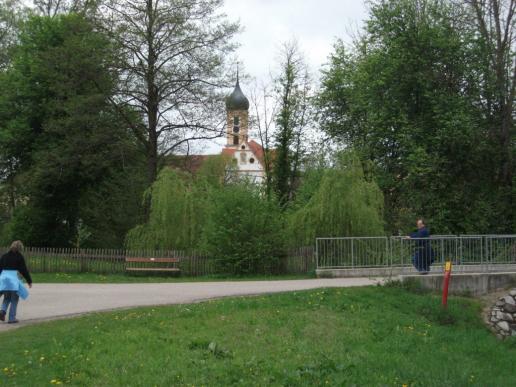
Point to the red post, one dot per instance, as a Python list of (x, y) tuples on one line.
[(447, 275)]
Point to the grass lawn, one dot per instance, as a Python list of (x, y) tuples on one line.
[(139, 278), (358, 336)]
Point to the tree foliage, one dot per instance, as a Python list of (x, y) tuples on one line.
[(244, 230), (178, 206), (65, 159), (230, 220), (337, 202), (409, 97)]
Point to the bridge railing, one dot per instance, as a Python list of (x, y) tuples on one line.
[(467, 252), (501, 249), (353, 252)]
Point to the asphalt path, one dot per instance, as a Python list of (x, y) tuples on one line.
[(56, 301)]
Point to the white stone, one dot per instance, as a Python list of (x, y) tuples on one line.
[(504, 325), (508, 317), (508, 300), (500, 315), (494, 319), (513, 292)]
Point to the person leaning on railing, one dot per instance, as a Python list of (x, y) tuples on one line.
[(11, 287), (423, 254)]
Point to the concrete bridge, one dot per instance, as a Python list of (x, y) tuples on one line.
[(481, 263)]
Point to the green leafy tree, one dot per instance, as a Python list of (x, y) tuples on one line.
[(407, 97), (495, 23), (60, 136)]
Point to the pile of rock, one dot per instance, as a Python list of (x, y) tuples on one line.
[(503, 316)]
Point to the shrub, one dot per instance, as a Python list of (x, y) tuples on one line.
[(244, 230)]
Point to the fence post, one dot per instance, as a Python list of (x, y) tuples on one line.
[(316, 253), (82, 259), (387, 247), (482, 248), (44, 260), (352, 255)]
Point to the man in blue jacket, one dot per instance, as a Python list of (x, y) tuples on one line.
[(423, 254)]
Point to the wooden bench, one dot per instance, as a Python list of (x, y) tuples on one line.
[(153, 261)]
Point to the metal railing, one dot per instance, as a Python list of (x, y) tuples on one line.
[(467, 252), (352, 252)]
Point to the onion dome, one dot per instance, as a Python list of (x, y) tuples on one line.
[(237, 100)]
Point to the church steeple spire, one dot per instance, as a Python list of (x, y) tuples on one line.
[(237, 109), (237, 100)]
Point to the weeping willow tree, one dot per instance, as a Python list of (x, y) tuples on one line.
[(177, 208), (344, 203)]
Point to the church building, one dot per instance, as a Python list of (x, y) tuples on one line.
[(248, 155)]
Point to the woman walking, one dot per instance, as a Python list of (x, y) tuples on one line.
[(11, 287)]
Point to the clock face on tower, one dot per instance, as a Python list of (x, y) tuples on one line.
[(236, 129)]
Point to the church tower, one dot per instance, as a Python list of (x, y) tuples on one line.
[(247, 155), (237, 109)]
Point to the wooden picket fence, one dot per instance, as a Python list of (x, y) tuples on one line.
[(109, 261)]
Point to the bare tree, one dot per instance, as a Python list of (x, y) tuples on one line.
[(264, 110), (10, 13), (293, 91), (52, 8), (172, 69)]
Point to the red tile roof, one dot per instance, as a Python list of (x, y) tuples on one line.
[(187, 163), (192, 163), (257, 149), (228, 151)]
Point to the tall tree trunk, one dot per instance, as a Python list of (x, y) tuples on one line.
[(152, 96)]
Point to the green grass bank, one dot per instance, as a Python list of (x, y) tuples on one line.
[(384, 336)]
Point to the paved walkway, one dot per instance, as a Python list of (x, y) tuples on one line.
[(54, 301)]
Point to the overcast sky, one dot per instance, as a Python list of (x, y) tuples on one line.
[(315, 24)]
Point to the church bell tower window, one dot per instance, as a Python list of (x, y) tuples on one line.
[(236, 124)]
